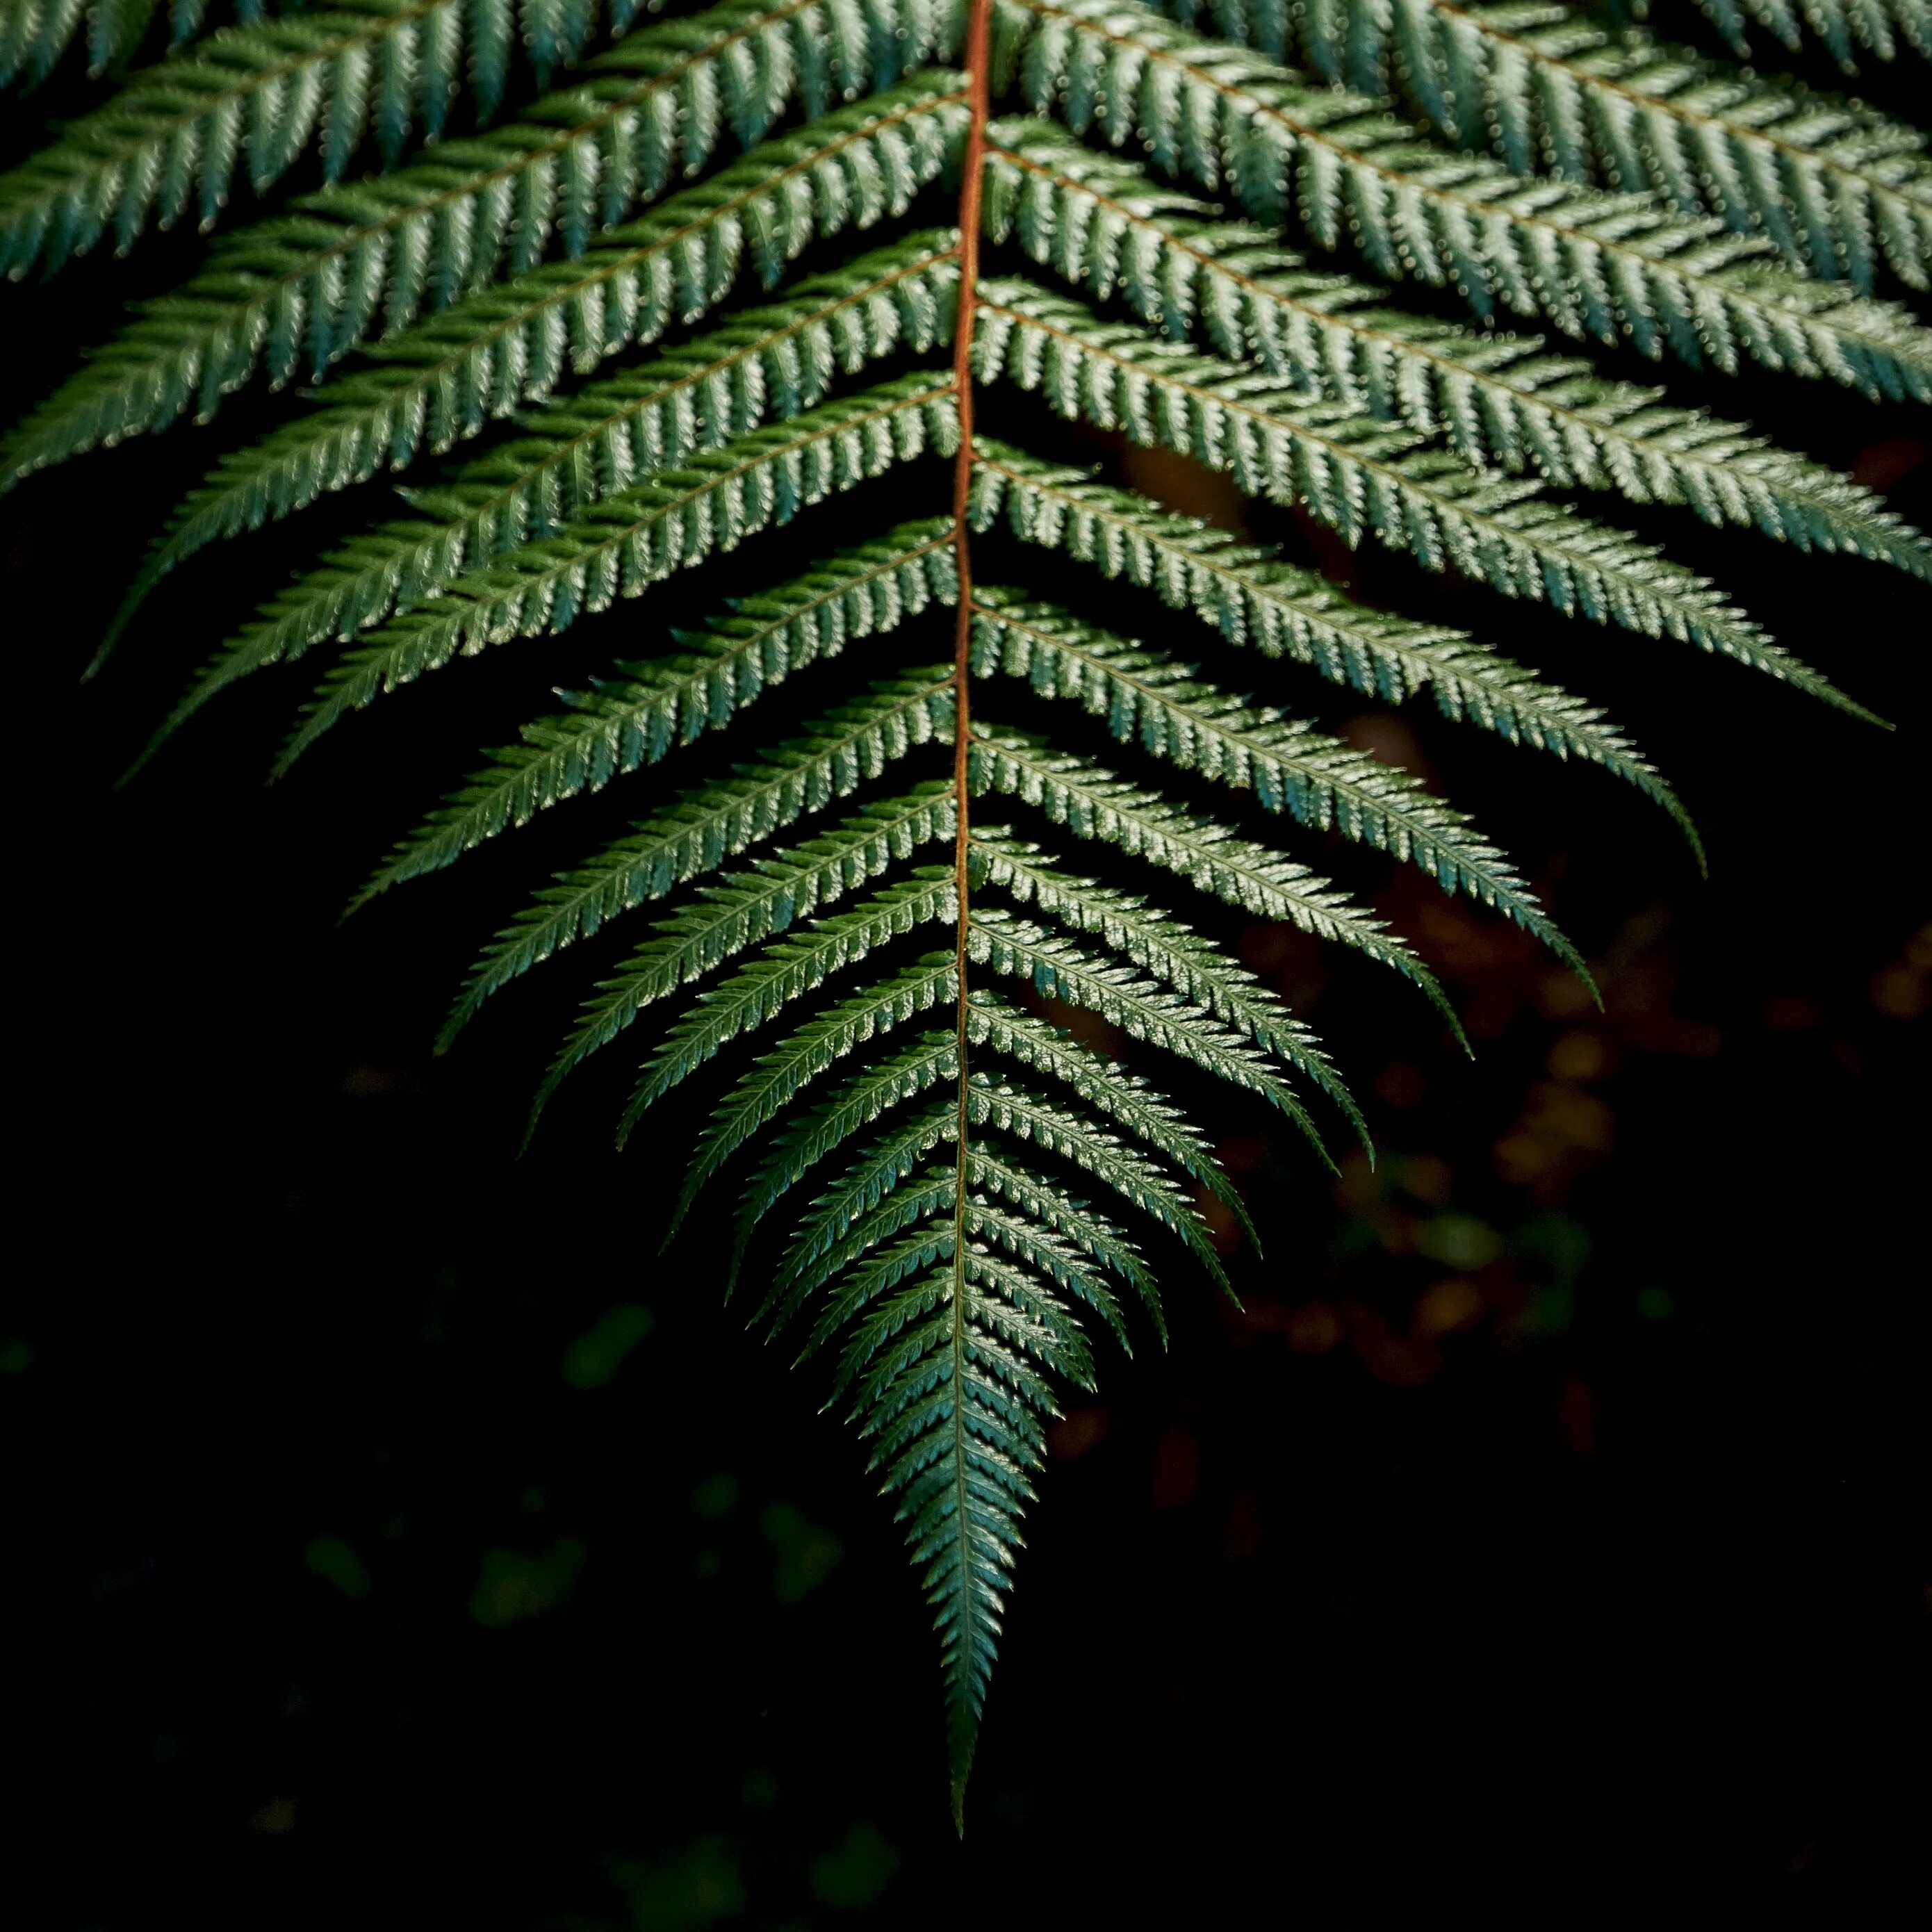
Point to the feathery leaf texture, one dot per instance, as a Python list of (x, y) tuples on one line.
[(865, 911), (1827, 182), (370, 256), (172, 141), (1503, 401), (1620, 269), (444, 380)]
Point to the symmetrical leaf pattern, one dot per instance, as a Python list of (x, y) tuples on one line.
[(912, 793)]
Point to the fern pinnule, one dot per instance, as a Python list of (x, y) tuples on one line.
[(1246, 592), (711, 823), (172, 140), (743, 909), (633, 720), (621, 546), (768, 362), (1887, 27), (1503, 401), (369, 257), (444, 380), (1827, 182), (1624, 269)]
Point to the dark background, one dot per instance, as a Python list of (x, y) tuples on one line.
[(395, 1537)]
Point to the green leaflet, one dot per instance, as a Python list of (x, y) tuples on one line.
[(1829, 183), (444, 380), (634, 720), (744, 908), (1359, 476), (1146, 696), (170, 142), (1093, 804), (368, 256), (621, 546), (717, 821), (1251, 597), (771, 362), (1501, 399), (1612, 268), (1887, 27)]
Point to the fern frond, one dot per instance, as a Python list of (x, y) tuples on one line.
[(857, 1103), (744, 908), (1360, 476), (792, 966), (1161, 946), (712, 823), (768, 362), (1842, 24), (632, 721), (368, 256), (1289, 767), (1058, 968), (1093, 803), (1825, 180), (172, 140), (445, 380), (1624, 269), (1501, 399), (620, 546), (1113, 1162), (1251, 597)]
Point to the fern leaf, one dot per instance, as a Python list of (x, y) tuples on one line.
[(1623, 268), (1092, 803), (1288, 767), (35, 33), (743, 909), (1026, 1116), (632, 721), (1059, 969), (791, 967), (1357, 475), (1501, 399), (1821, 178), (772, 362), (621, 546), (857, 1103), (1161, 946), (445, 380), (172, 140), (776, 1078), (369, 257), (705, 827), (1247, 594)]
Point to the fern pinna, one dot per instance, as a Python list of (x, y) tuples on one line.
[(621, 293)]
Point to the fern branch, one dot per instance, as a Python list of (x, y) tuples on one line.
[(704, 827), (172, 138), (1161, 946), (369, 257), (1289, 767), (1357, 475), (1822, 179), (621, 546), (1501, 399), (766, 362), (1842, 24), (625, 724), (1625, 269), (1247, 594), (445, 380), (35, 33), (741, 910), (1092, 803)]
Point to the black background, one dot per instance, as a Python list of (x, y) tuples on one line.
[(1542, 1539)]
